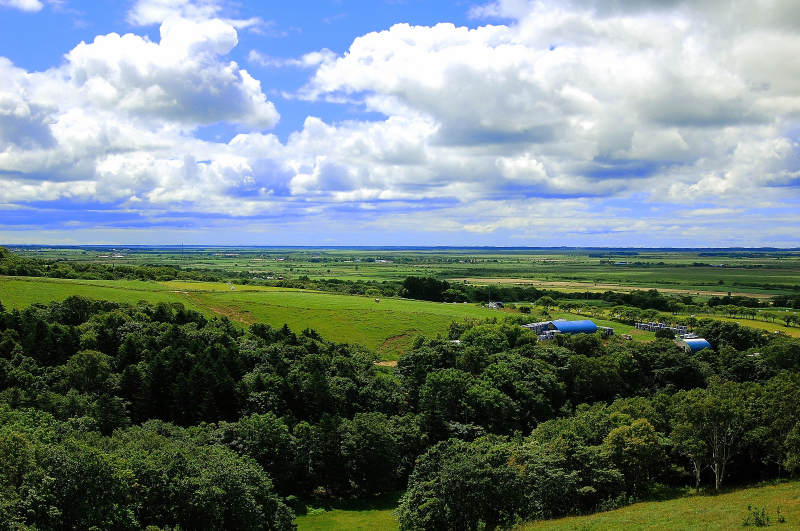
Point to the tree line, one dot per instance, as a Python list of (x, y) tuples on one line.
[(154, 415)]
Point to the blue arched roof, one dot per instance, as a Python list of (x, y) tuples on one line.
[(575, 327), (697, 344)]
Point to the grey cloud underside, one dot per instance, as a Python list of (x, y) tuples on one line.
[(26, 132)]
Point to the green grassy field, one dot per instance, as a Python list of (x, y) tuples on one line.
[(388, 326), (20, 292), (705, 511), (339, 515)]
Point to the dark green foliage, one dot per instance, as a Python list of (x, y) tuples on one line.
[(665, 334), (161, 417), (463, 486), (427, 289), (756, 517), (723, 333), (53, 476), (645, 300)]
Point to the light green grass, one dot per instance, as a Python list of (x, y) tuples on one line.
[(339, 520), (777, 326), (388, 326), (702, 512), (706, 511), (364, 515), (21, 292)]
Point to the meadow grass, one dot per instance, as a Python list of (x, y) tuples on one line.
[(21, 292), (388, 327), (341, 515), (706, 511)]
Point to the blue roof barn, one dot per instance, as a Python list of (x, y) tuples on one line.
[(694, 345), (575, 327), (563, 327)]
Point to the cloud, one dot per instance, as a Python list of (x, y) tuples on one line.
[(637, 123), (640, 97), (309, 60), (149, 12), (179, 79), (23, 5), (117, 118)]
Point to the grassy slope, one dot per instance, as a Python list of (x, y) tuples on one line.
[(702, 512), (388, 326), (706, 512)]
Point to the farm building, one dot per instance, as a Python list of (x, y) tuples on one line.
[(694, 345), (563, 326), (547, 329), (679, 330)]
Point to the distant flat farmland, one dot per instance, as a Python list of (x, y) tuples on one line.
[(599, 287)]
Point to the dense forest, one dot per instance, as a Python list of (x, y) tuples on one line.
[(123, 417)]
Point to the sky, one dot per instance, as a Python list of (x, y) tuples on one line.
[(622, 123)]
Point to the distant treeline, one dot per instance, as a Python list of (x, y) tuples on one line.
[(413, 287), (128, 416), (431, 289)]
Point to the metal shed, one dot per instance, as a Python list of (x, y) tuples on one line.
[(575, 327), (694, 345)]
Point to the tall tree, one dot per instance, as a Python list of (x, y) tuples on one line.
[(712, 424)]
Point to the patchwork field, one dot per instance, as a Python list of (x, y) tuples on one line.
[(751, 272)]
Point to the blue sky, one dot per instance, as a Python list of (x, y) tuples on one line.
[(416, 122)]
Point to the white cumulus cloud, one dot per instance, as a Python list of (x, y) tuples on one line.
[(607, 120), (23, 5)]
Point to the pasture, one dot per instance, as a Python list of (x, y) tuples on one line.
[(687, 511), (344, 515), (388, 326), (707, 511), (748, 272)]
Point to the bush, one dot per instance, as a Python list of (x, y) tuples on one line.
[(665, 334)]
